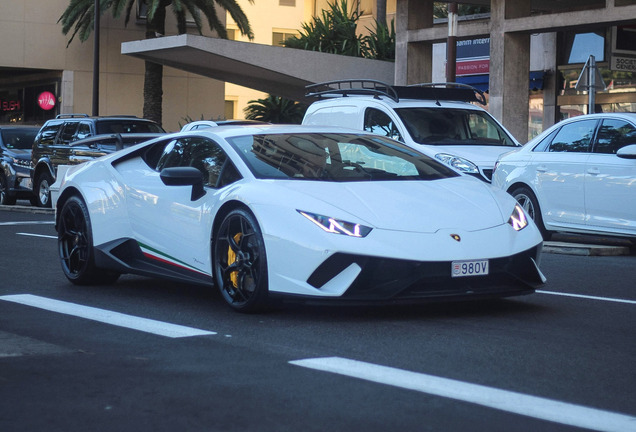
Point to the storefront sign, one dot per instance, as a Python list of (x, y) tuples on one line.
[(46, 100), (473, 57), (624, 64), (10, 105)]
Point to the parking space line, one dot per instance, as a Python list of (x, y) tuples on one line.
[(517, 403), (105, 316), (608, 299)]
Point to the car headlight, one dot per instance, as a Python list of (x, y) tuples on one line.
[(22, 163), (337, 226), (518, 219), (459, 163)]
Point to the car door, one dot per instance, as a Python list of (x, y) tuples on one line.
[(167, 223), (559, 173), (610, 181), (61, 149)]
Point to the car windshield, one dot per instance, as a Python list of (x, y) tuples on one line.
[(439, 126), (127, 127), (17, 138), (335, 157)]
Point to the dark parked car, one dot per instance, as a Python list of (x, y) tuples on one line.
[(15, 163), (71, 139)]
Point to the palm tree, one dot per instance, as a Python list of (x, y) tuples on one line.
[(275, 109), (79, 16)]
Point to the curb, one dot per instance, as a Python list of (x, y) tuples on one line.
[(27, 209), (582, 249)]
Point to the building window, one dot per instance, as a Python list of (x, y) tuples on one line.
[(230, 109), (279, 37), (142, 10), (579, 47)]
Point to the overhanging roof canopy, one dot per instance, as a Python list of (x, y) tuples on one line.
[(272, 69)]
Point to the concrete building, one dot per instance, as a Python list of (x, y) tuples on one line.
[(536, 50), (559, 36), (34, 58)]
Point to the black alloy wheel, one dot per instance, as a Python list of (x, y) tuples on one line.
[(528, 201), (42, 189), (240, 263), (75, 246)]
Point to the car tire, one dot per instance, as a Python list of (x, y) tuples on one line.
[(75, 246), (5, 199), (42, 189), (528, 201), (240, 262)]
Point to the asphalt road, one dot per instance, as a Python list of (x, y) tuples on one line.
[(562, 359)]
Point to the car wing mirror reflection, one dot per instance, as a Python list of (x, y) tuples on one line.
[(627, 152), (184, 176)]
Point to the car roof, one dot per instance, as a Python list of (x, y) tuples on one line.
[(364, 101)]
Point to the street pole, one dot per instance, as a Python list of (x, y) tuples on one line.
[(591, 81), (451, 43), (96, 61)]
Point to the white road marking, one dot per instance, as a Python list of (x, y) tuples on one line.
[(27, 223), (36, 235), (109, 317), (608, 299), (518, 403)]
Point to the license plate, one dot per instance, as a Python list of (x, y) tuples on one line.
[(469, 268)]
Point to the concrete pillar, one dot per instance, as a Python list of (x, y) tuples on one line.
[(509, 68), (413, 60), (550, 90)]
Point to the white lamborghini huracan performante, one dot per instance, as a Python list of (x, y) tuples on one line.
[(305, 212)]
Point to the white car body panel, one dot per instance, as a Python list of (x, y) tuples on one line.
[(581, 192), (412, 221)]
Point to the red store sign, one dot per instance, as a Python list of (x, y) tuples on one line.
[(46, 100)]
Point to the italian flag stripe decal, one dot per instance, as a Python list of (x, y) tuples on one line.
[(156, 255)]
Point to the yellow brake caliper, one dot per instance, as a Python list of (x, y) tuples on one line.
[(231, 259)]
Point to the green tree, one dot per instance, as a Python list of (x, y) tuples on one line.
[(335, 32), (79, 16), (275, 109)]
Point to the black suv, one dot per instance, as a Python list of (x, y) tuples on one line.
[(15, 163), (71, 139)]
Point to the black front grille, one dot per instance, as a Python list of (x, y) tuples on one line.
[(385, 278)]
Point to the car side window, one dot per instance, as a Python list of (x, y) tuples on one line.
[(614, 134), (83, 131), (48, 133), (201, 153), (379, 122), (574, 137), (68, 132)]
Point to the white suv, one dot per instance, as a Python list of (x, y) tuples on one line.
[(436, 119)]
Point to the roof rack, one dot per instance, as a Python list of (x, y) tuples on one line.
[(352, 87), (442, 91), (59, 116), (427, 91)]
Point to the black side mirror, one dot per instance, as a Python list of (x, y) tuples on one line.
[(184, 176)]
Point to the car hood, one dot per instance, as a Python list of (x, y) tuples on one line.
[(483, 156), (19, 153), (417, 206)]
